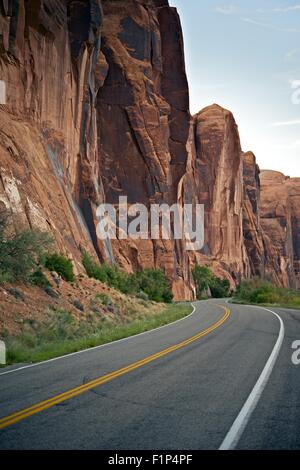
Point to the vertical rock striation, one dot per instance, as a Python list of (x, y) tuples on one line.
[(252, 231), (50, 60), (143, 123), (280, 198)]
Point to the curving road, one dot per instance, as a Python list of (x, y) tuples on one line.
[(222, 377)]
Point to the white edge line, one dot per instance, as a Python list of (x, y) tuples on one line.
[(97, 347), (232, 438)]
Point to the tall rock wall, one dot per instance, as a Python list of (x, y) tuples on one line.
[(279, 207), (219, 184), (143, 123), (252, 231), (50, 60), (293, 185)]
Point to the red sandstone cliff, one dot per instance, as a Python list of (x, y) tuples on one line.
[(252, 232), (98, 107), (219, 185), (143, 123), (279, 208), (51, 62)]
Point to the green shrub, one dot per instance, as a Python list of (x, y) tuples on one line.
[(39, 279), (203, 278), (255, 290), (220, 288), (20, 252), (61, 265), (151, 282), (259, 291), (93, 270), (142, 296), (104, 298), (109, 275), (206, 280), (5, 277)]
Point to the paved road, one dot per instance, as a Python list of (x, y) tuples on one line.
[(187, 395)]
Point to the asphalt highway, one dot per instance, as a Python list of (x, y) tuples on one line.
[(223, 377)]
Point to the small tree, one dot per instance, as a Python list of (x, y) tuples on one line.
[(205, 279), (154, 283), (20, 252)]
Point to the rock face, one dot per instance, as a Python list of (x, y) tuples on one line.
[(143, 123), (51, 62), (97, 108), (293, 185), (279, 207), (252, 231), (219, 184)]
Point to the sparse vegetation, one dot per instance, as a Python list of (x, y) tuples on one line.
[(63, 334), (151, 282), (258, 291), (61, 265), (154, 284), (20, 252), (206, 281), (103, 298)]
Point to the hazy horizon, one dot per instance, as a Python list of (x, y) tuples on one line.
[(245, 56)]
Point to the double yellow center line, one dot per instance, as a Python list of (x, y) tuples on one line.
[(43, 405)]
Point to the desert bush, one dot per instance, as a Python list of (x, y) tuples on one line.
[(93, 269), (220, 288), (61, 265), (38, 278), (255, 290), (103, 298), (20, 252), (142, 296), (151, 282), (259, 291)]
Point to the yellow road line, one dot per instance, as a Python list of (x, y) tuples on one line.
[(43, 405)]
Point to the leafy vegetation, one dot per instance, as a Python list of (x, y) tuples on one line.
[(39, 279), (258, 291), (63, 334), (151, 282), (20, 252), (61, 265), (206, 281), (154, 284)]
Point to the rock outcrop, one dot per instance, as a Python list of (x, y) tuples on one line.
[(252, 231), (219, 186), (143, 123)]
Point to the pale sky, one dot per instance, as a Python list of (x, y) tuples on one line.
[(245, 56)]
